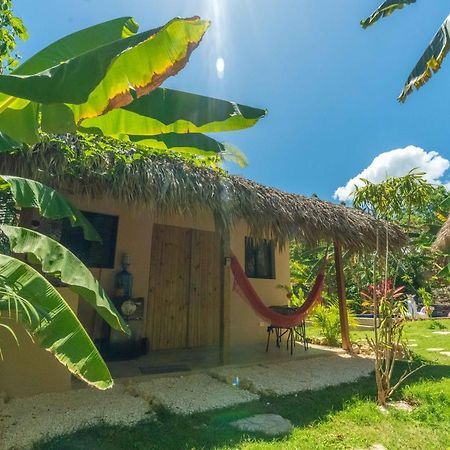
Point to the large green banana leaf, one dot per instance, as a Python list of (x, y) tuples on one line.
[(77, 43), (167, 111), (194, 143), (60, 262), (98, 80), (430, 62), (50, 203), (171, 111), (385, 9), (59, 331)]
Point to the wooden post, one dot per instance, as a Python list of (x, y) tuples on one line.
[(340, 284), (225, 295)]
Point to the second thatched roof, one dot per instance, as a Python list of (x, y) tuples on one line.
[(170, 184), (442, 241)]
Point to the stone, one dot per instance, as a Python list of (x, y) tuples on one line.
[(445, 354), (441, 332), (401, 406), (434, 349), (269, 424)]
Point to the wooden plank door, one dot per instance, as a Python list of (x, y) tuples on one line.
[(169, 287), (204, 290), (184, 288)]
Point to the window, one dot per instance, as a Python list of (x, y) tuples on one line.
[(93, 254), (259, 258)]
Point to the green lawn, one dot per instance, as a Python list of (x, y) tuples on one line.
[(343, 417), (423, 337)]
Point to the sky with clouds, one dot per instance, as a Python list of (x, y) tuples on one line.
[(329, 86), (396, 163)]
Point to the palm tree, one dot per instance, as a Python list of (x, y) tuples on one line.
[(431, 60)]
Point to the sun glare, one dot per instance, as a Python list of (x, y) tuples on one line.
[(220, 67)]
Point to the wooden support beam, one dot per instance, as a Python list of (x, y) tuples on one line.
[(225, 295), (340, 283)]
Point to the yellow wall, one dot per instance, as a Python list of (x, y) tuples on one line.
[(28, 369), (39, 372), (135, 237), (246, 326)]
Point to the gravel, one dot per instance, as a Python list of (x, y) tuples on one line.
[(192, 393), (26, 420), (298, 375)]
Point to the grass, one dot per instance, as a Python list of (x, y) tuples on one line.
[(420, 335), (343, 417)]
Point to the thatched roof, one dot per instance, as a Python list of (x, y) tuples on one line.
[(442, 241), (175, 184)]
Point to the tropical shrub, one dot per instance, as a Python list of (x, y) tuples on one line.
[(326, 318), (387, 342)]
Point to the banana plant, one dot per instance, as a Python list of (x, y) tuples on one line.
[(105, 80), (27, 297), (430, 61)]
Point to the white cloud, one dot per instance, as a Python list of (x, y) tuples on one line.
[(397, 163)]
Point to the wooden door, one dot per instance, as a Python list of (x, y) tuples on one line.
[(169, 287), (204, 300), (184, 288)]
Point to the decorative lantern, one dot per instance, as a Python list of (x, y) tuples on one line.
[(124, 280)]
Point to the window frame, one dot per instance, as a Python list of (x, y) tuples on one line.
[(251, 248), (88, 261)]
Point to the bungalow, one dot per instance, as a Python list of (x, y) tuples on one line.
[(173, 225)]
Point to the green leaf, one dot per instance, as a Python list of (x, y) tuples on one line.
[(103, 78), (51, 204), (59, 331), (194, 143), (430, 62), (171, 111), (385, 9), (57, 260), (77, 43), (7, 144)]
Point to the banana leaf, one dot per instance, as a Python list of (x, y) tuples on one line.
[(430, 62), (384, 10), (98, 80), (59, 330), (60, 262), (171, 111), (77, 43), (50, 203), (194, 143)]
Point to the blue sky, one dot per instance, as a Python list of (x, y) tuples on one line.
[(329, 86)]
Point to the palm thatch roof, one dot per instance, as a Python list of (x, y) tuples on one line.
[(175, 184), (442, 241)]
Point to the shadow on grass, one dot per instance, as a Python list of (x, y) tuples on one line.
[(212, 429)]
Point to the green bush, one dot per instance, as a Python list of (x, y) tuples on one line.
[(326, 317)]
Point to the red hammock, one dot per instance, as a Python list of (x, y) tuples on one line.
[(245, 289)]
